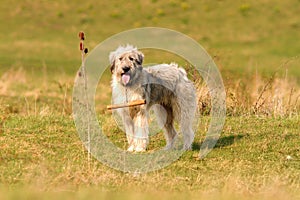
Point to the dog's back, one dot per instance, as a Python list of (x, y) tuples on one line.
[(169, 73)]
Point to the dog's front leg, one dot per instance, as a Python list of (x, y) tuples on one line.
[(129, 129), (141, 136)]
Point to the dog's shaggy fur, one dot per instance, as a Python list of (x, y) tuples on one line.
[(166, 89)]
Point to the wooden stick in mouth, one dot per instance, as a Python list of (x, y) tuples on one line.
[(129, 104)]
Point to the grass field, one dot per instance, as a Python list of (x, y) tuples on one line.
[(255, 44)]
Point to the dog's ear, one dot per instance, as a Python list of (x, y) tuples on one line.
[(112, 67), (140, 58), (112, 59)]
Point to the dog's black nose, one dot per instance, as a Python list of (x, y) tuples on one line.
[(126, 69)]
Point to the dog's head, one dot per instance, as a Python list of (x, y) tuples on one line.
[(126, 64)]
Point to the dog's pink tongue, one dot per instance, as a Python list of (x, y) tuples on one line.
[(125, 79)]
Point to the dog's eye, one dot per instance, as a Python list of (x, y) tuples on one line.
[(121, 58), (131, 58)]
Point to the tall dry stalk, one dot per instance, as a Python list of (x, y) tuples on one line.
[(83, 52)]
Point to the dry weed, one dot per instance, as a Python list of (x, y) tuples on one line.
[(274, 96)]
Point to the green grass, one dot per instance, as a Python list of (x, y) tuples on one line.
[(41, 155), (46, 154)]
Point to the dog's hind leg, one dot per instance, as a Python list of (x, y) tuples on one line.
[(188, 108), (165, 119), (170, 135), (187, 132)]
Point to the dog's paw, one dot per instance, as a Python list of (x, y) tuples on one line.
[(131, 148), (140, 145), (140, 149), (187, 147), (168, 147)]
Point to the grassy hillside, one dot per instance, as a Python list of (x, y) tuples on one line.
[(255, 44), (245, 36)]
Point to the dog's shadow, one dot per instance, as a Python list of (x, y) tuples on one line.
[(221, 142)]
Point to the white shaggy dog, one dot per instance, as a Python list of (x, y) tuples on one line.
[(165, 88)]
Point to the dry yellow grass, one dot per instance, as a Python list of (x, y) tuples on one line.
[(271, 96)]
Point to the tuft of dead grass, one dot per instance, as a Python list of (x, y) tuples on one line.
[(10, 78), (24, 94), (274, 96)]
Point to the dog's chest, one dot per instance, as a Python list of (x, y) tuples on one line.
[(123, 95)]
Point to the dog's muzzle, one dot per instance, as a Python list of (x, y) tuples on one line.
[(125, 76)]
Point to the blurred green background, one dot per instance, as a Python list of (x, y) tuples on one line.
[(243, 36)]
